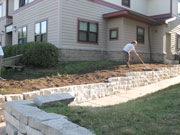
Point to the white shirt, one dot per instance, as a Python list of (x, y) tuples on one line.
[(1, 51), (129, 47)]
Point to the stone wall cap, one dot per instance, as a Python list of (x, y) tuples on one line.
[(46, 100)]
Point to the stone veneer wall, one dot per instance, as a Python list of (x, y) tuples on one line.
[(87, 92), (91, 55)]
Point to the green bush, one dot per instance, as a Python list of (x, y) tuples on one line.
[(37, 54)]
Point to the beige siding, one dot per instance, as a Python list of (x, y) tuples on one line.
[(40, 11), (147, 7), (11, 7), (71, 11), (2, 28), (3, 2), (16, 4), (127, 33), (115, 45), (156, 7), (173, 28), (136, 5), (175, 7), (157, 39)]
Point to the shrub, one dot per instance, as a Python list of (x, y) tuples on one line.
[(37, 54)]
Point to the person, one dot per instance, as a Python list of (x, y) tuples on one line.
[(128, 48), (1, 59)]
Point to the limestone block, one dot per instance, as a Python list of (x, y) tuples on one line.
[(31, 131), (36, 119), (49, 91), (54, 98), (11, 130), (1, 105), (10, 119), (2, 130), (21, 112), (8, 106), (2, 98), (31, 95), (14, 122), (2, 119), (20, 133), (14, 97), (63, 127)]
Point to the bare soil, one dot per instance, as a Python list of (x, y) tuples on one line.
[(97, 76)]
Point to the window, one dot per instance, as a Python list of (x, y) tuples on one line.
[(41, 31), (140, 34), (22, 35), (1, 10), (23, 2), (87, 31), (113, 34), (178, 41), (126, 3)]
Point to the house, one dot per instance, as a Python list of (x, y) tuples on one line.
[(94, 29)]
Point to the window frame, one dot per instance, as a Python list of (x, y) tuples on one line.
[(110, 32), (41, 21), (178, 46), (23, 4), (126, 5), (137, 36), (88, 31), (22, 38), (1, 15)]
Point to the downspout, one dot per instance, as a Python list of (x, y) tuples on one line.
[(149, 39)]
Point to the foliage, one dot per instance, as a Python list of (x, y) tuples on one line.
[(37, 54)]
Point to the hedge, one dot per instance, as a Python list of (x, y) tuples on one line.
[(38, 54)]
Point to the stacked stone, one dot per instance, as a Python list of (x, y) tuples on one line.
[(2, 101), (135, 79), (24, 118), (88, 92)]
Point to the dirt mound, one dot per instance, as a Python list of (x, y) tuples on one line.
[(14, 86)]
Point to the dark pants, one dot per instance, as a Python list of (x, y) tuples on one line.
[(126, 57)]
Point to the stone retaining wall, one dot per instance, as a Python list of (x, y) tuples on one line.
[(87, 92), (24, 118)]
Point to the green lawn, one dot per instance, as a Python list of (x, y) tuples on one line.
[(62, 69), (155, 114)]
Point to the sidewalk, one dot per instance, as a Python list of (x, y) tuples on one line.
[(131, 94)]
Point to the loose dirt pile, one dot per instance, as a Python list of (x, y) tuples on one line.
[(15, 86)]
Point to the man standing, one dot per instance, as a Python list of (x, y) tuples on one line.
[(128, 48), (1, 59)]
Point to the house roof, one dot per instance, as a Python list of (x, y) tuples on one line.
[(134, 16)]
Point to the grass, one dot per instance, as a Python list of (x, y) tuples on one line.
[(62, 69), (155, 114)]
